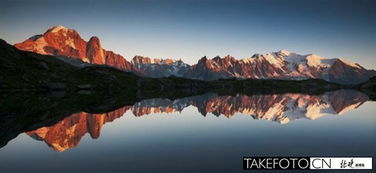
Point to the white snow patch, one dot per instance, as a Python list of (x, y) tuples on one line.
[(294, 60), (58, 28), (347, 62), (284, 52), (329, 62), (314, 111), (247, 60), (314, 60), (350, 107), (271, 58)]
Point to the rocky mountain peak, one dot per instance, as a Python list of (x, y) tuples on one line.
[(141, 60), (284, 52), (94, 51), (229, 57), (217, 58), (95, 41), (203, 59), (62, 31), (62, 41), (58, 28)]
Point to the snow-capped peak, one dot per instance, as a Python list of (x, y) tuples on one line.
[(58, 28), (284, 52)]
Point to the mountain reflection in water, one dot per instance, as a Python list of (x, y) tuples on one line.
[(281, 108)]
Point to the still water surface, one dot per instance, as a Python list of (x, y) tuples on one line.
[(206, 133)]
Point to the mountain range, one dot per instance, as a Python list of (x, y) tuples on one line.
[(281, 108), (62, 41)]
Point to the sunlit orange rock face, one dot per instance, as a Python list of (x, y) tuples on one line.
[(61, 41), (94, 51), (68, 132)]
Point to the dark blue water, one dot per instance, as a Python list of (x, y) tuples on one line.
[(207, 133)]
